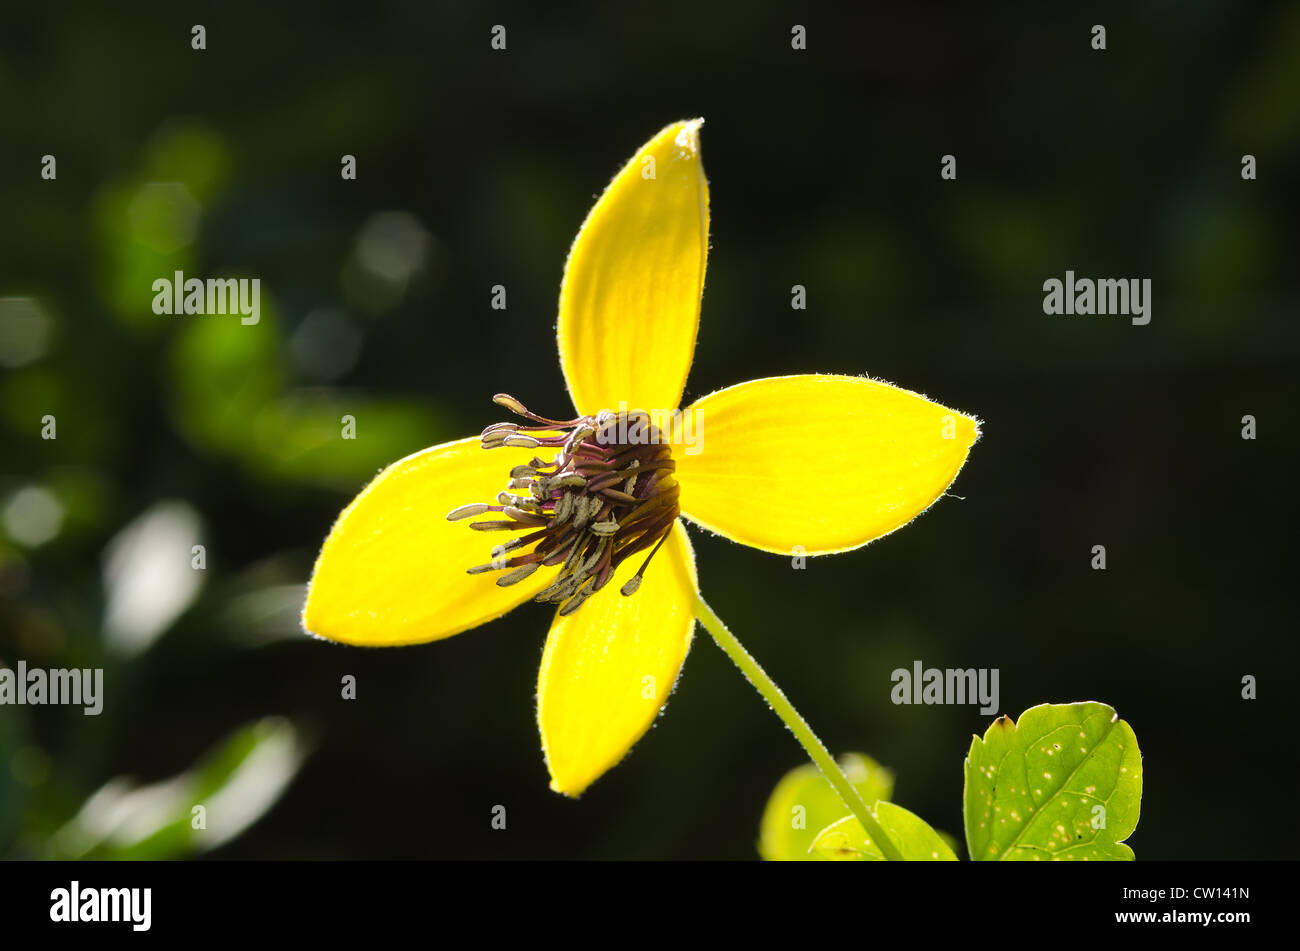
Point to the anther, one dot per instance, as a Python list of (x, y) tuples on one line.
[(510, 403), (508, 546), (520, 440), (560, 590), (467, 511), (519, 515), (518, 574), (597, 553), (563, 508), (574, 602), (630, 586), (576, 438), (585, 509)]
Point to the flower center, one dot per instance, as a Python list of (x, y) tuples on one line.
[(608, 494)]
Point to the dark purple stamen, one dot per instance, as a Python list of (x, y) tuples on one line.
[(590, 508)]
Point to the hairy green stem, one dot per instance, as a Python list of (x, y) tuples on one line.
[(783, 708)]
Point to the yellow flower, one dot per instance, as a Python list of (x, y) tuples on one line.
[(794, 465)]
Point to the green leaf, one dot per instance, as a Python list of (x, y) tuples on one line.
[(232, 398), (846, 840), (804, 802), (234, 784), (1065, 782)]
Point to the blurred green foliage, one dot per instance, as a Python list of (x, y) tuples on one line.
[(804, 802), (170, 819)]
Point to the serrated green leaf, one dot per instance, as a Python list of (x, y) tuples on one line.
[(1033, 789), (804, 802), (847, 840)]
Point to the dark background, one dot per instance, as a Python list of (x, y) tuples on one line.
[(824, 170)]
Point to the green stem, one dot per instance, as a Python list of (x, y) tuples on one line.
[(797, 724)]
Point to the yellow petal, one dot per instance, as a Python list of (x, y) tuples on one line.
[(393, 568), (630, 300), (609, 666), (825, 463)]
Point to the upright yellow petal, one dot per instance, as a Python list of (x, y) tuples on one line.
[(819, 463), (630, 300), (393, 568), (608, 667)]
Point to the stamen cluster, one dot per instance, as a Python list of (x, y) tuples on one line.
[(598, 502)]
